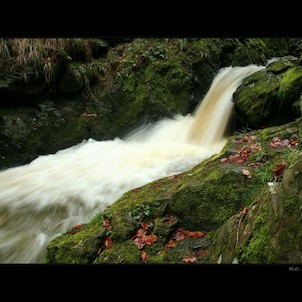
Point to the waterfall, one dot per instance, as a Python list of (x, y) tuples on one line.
[(44, 198)]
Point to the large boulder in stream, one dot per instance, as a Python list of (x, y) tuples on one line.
[(57, 92), (270, 96), (240, 206)]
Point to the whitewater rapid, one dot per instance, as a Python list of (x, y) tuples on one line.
[(44, 198)]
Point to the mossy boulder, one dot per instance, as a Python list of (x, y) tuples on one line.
[(269, 233), (270, 96), (81, 248), (209, 199), (12, 86), (28, 132)]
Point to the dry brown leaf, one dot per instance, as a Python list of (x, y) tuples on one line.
[(224, 160), (246, 173), (199, 234), (141, 232), (171, 243), (108, 243), (139, 243), (107, 224), (144, 225), (279, 169), (150, 239), (144, 256), (189, 259), (178, 235), (245, 210)]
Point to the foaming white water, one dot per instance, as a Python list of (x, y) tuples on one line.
[(212, 115), (43, 199)]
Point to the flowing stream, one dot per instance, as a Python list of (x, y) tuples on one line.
[(44, 198)]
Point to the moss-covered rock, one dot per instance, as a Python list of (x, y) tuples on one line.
[(202, 200), (270, 96), (267, 231), (78, 245), (121, 252), (281, 65), (29, 132)]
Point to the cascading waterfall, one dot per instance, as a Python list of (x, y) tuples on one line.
[(44, 198)]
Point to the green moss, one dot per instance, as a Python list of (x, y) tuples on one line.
[(123, 227), (283, 64), (270, 97), (256, 97), (257, 249), (291, 85), (204, 205), (121, 252), (81, 247), (162, 230)]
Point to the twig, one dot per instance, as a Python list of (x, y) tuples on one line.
[(238, 226), (242, 214)]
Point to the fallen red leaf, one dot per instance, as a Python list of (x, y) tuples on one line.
[(108, 243), (77, 226), (141, 239), (181, 234), (293, 142), (150, 239), (255, 148), (136, 190), (107, 224), (245, 210), (189, 259), (171, 243), (140, 232), (279, 169), (199, 234), (139, 243), (144, 256), (178, 235), (279, 144), (144, 225), (168, 222)]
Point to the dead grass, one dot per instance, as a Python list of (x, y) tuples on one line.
[(39, 54)]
